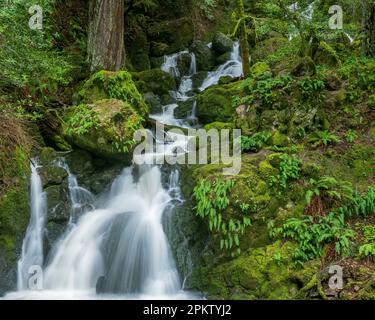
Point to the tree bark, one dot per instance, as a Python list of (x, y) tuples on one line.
[(106, 35), (245, 50)]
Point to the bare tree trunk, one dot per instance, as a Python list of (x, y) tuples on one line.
[(245, 50), (106, 35)]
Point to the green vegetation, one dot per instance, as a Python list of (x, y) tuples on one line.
[(254, 143), (212, 200), (82, 121)]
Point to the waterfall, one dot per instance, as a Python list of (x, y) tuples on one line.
[(231, 68), (123, 241), (351, 39), (32, 247), (117, 243), (81, 199)]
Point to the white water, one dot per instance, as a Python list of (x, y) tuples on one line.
[(232, 68), (32, 247), (119, 245), (122, 240)]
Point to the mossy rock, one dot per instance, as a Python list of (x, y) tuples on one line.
[(52, 175), (110, 130), (326, 55), (303, 67), (268, 47), (204, 55), (223, 58), (155, 81), (260, 68), (222, 44), (278, 139), (215, 104), (113, 85), (199, 78), (263, 273), (218, 126), (14, 218), (168, 37)]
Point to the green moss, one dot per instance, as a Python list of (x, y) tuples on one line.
[(113, 85), (14, 208), (155, 80), (215, 104), (260, 68), (171, 36), (112, 134), (326, 55), (263, 273), (279, 139), (218, 126)]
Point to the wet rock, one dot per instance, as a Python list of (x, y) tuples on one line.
[(52, 175), (215, 104), (204, 55), (155, 81), (153, 102), (168, 37), (222, 44)]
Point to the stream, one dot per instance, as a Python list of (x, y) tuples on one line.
[(115, 245)]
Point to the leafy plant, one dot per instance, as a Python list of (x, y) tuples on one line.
[(367, 249), (212, 200), (255, 142), (323, 138), (269, 91), (289, 168), (360, 205), (311, 236), (328, 190), (350, 136), (312, 87), (82, 121)]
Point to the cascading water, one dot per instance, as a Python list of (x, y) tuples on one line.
[(32, 247), (231, 68), (116, 246)]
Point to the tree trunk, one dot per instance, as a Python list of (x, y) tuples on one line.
[(106, 35), (245, 50), (369, 27)]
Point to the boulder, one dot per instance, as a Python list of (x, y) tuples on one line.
[(104, 128), (204, 55), (112, 85), (222, 44), (155, 81), (223, 58), (326, 55), (168, 37), (215, 104)]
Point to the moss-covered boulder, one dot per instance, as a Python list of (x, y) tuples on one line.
[(215, 104), (113, 85), (260, 68), (204, 55), (155, 81), (268, 47), (104, 128), (168, 37), (326, 55), (221, 44), (263, 273)]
